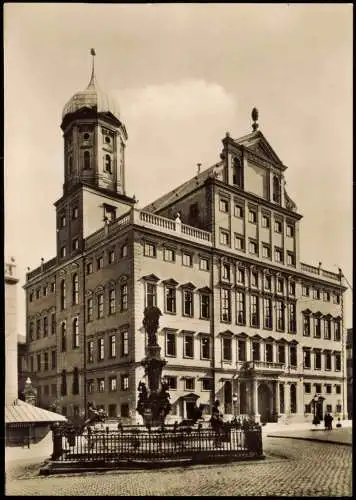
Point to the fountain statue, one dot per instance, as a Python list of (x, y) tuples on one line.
[(153, 402)]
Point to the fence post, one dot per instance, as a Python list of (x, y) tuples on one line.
[(57, 442)]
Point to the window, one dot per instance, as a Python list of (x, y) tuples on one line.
[(307, 388), (305, 291), (38, 328), (337, 362), (291, 318), (38, 362), (276, 190), (75, 289), (240, 308), (101, 384), (149, 249), (239, 242), (63, 252), (112, 384), (225, 271), (53, 360), (124, 297), (225, 305), (327, 329), (189, 384), (45, 291), (46, 367), (290, 230), (172, 382), (75, 213), (63, 383), (75, 244), (63, 294), (328, 388), (281, 353), (53, 323), (241, 276), (290, 259), (38, 291), (307, 358), (111, 256), (205, 348), (252, 247), (224, 205), (317, 327), (280, 285), (207, 384), (203, 264), (99, 263), (91, 351), (277, 226), (112, 346), (90, 309), (124, 343), (107, 166), (124, 382), (338, 389), (326, 296), (86, 165), (75, 381), (89, 267), (267, 282), (237, 178), (306, 325), (265, 221), (187, 260), (269, 353), (241, 350), (169, 255), (123, 251), (75, 333), (293, 356), (267, 316), (252, 216), (101, 349), (62, 221), (238, 211), (278, 255), (291, 288), (124, 410), (280, 314), (112, 301), (227, 349), (254, 279), (336, 298), (255, 320), (316, 293), (266, 251), (318, 388), (170, 302), (327, 360), (63, 336), (45, 326), (31, 297), (188, 346), (337, 330), (187, 303), (171, 348), (204, 306), (151, 294), (224, 237), (100, 300), (256, 351)]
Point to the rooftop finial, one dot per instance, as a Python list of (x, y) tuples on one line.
[(198, 168), (254, 116), (93, 54)]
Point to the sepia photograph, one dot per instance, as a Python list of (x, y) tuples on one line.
[(178, 249)]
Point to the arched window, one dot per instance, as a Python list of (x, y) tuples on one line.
[(75, 333), (64, 383), (293, 399), (86, 160), (63, 336), (108, 163), (63, 294), (237, 173), (75, 383), (276, 190), (75, 289)]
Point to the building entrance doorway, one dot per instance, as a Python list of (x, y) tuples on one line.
[(190, 409), (264, 403)]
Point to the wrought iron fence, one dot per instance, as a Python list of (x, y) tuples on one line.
[(138, 444)]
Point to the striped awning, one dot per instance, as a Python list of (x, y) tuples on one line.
[(21, 412)]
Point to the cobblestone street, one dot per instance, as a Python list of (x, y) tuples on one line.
[(291, 468)]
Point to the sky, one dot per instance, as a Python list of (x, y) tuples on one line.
[(183, 74)]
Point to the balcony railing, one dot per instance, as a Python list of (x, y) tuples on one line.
[(307, 268), (261, 365)]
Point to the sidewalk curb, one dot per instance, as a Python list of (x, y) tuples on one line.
[(309, 439)]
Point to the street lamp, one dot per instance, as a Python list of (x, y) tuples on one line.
[(315, 401), (234, 399)]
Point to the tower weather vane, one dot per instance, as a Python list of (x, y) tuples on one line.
[(254, 116)]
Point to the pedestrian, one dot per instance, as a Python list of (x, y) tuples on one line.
[(326, 421), (330, 426)]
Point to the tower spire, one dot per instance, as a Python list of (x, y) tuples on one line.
[(92, 78)]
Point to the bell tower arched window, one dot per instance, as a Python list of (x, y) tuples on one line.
[(237, 173), (276, 190), (107, 166), (86, 160)]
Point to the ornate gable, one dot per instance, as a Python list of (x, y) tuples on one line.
[(258, 144)]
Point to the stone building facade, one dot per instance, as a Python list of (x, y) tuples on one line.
[(243, 320)]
